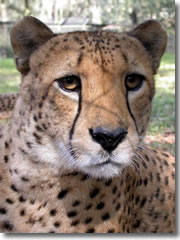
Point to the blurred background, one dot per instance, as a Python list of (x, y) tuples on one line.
[(107, 15)]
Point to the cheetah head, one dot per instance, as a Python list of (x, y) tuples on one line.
[(87, 95)]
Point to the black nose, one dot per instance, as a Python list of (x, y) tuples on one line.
[(108, 140)]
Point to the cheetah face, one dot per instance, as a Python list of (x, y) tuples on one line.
[(88, 94)]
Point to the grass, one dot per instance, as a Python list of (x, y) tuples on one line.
[(9, 76), (163, 107)]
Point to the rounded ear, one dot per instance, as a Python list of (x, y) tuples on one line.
[(26, 36), (154, 39)]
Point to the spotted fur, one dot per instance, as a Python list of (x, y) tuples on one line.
[(55, 177), (7, 101)]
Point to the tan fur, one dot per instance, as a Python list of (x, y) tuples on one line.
[(52, 177)]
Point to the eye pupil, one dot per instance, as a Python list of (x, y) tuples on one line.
[(70, 80), (131, 79), (134, 81), (69, 83)]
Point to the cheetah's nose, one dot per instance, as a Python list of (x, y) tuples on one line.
[(109, 140)]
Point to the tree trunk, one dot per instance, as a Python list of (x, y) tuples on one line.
[(133, 16)]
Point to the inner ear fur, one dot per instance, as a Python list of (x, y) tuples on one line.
[(27, 36), (154, 39)]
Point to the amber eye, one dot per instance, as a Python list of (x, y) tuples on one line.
[(69, 83), (134, 81)]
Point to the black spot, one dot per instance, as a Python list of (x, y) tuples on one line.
[(8, 226), (157, 193), (40, 105), (21, 199), (122, 182), (40, 115), (155, 215), (110, 231), (32, 201), (44, 126), (80, 58), (23, 151), (105, 217), (22, 212), (114, 190), (154, 162), (90, 230), (166, 155), (137, 164), (10, 201), (6, 144), (140, 182), (145, 182), (6, 159), (165, 217), (13, 187), (53, 212), (137, 199), (35, 118), (56, 224), (143, 202), (38, 138), (118, 206), (24, 179), (100, 206), (72, 214), (88, 220), (89, 206), (29, 144), (137, 223), (3, 211), (125, 58), (151, 176), (147, 158), (84, 177), (38, 128), (166, 163), (62, 194), (75, 222), (166, 180), (94, 193), (158, 177), (129, 210), (75, 203), (128, 188), (108, 182), (144, 165)]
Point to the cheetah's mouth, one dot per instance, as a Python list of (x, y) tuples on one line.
[(108, 161)]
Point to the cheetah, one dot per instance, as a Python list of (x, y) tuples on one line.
[(72, 158)]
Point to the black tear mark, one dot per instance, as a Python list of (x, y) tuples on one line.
[(129, 109), (74, 123)]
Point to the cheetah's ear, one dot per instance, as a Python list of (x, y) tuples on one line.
[(26, 36), (154, 39)]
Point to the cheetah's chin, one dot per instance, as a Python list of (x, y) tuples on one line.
[(105, 169)]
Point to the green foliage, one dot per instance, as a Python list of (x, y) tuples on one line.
[(163, 107), (9, 76)]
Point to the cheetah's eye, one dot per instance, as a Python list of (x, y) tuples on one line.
[(134, 81), (69, 83)]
